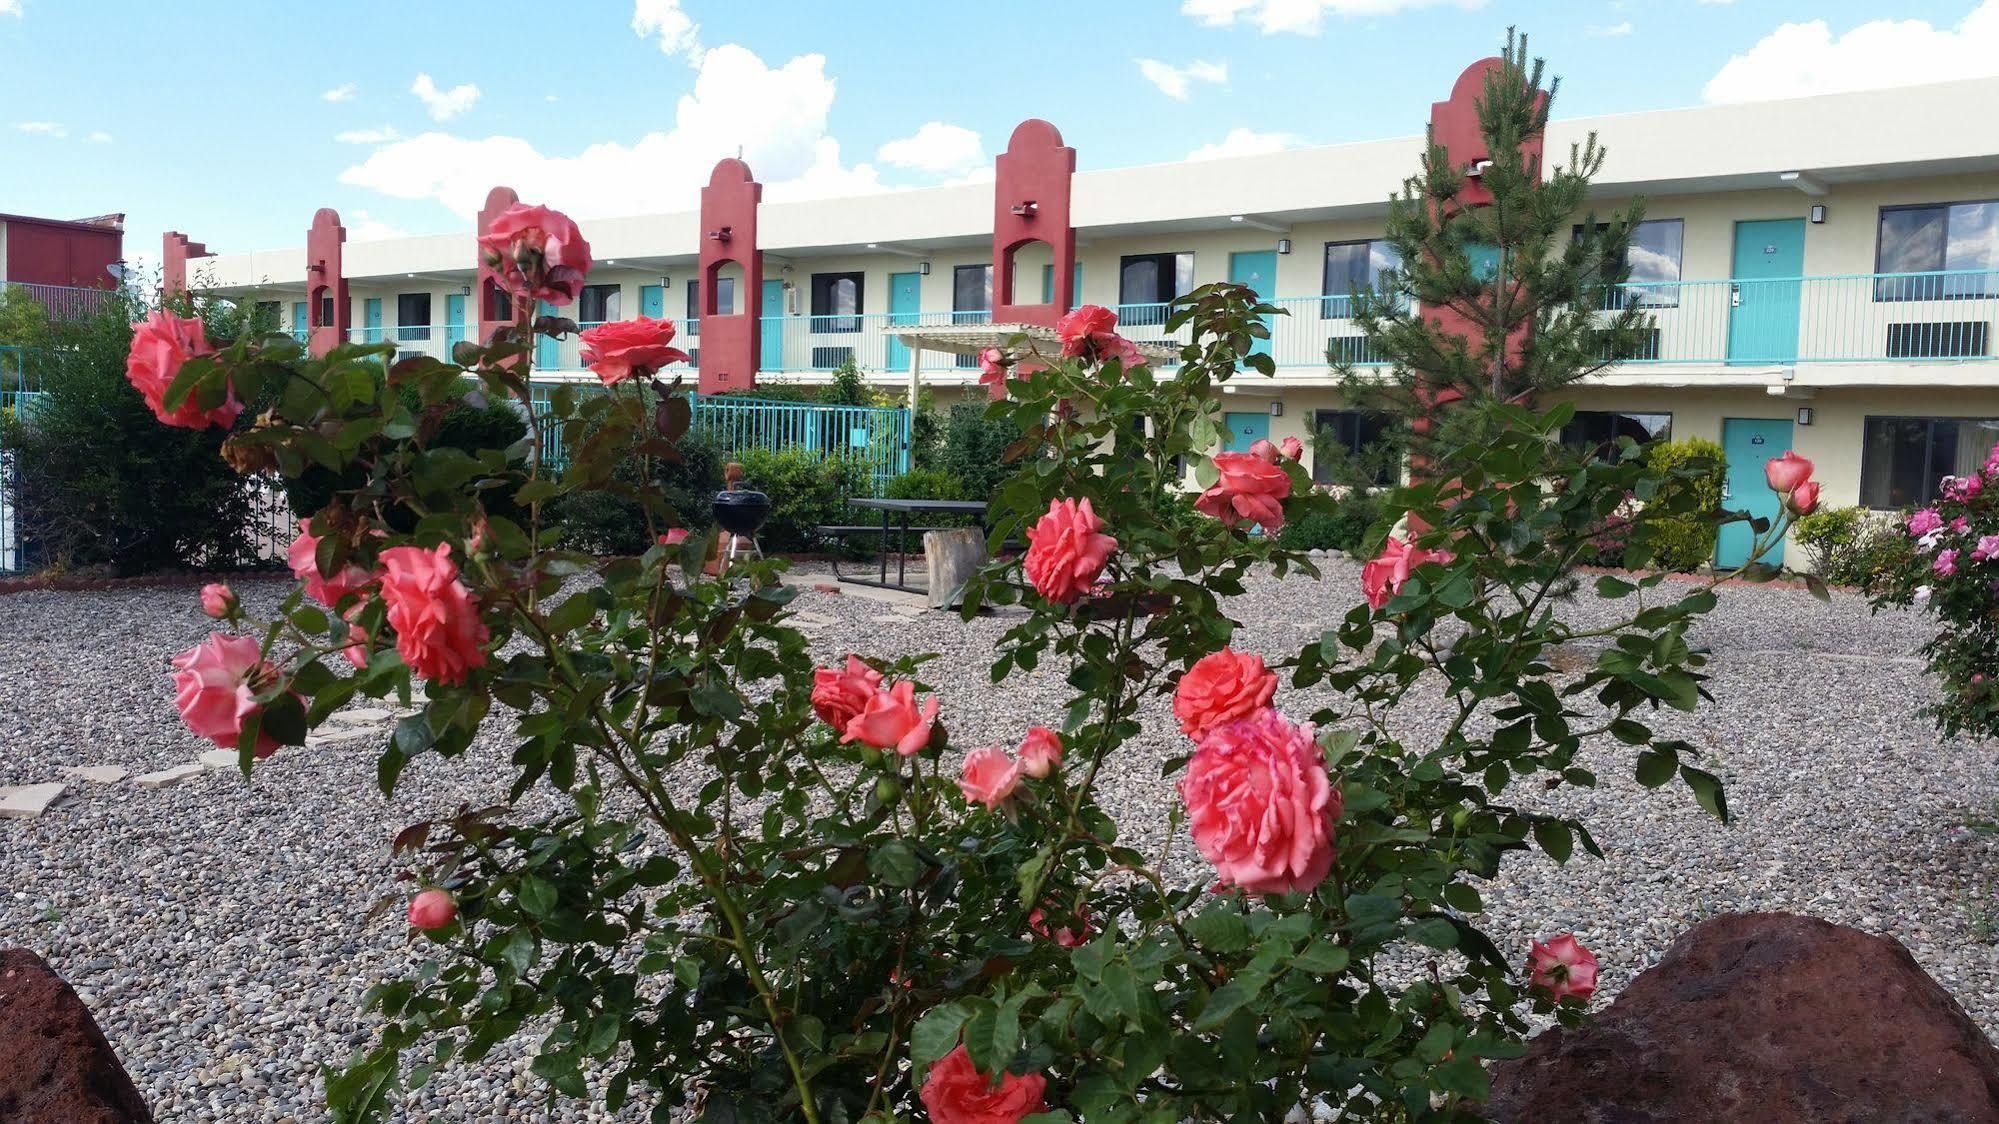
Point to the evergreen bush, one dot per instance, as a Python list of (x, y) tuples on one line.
[(1687, 542)]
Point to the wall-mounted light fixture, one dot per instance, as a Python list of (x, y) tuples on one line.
[(923, 268), (666, 281), (1027, 208), (464, 290), (1283, 245), (1818, 212), (1277, 408), (1804, 415)]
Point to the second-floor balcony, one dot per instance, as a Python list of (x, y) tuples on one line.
[(1856, 318)]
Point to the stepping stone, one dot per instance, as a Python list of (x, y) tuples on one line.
[(101, 774), (25, 802), (341, 737), (362, 715), (812, 620), (217, 760), (174, 775)]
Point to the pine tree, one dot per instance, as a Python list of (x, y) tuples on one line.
[(1532, 267)]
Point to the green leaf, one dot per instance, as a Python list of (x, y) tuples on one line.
[(1435, 932), (1656, 766), (1707, 790), (1324, 956), (896, 863), (537, 895), (1555, 838)]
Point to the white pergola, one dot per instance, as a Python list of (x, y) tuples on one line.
[(970, 339)]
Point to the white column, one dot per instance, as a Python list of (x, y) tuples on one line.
[(915, 375)]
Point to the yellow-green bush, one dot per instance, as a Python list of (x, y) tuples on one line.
[(1687, 543)]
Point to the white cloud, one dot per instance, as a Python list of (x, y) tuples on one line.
[(367, 228), (10, 8), (1609, 31), (1300, 17), (936, 147), (100, 137), (383, 135), (1807, 58), (776, 115), (1173, 81), (342, 92), (1245, 142), (43, 128), (443, 105), (664, 20)]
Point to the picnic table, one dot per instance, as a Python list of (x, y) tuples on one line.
[(895, 519)]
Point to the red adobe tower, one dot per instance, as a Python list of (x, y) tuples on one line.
[(497, 200), (175, 252), (1031, 205), (325, 283), (731, 343)]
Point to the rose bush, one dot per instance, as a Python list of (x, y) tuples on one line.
[(767, 892), (1952, 573)]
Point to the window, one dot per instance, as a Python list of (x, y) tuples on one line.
[(1901, 459), (413, 316), (971, 294), (836, 302), (499, 304), (325, 312), (1652, 263), (1339, 434), (1599, 430), (1147, 283), (598, 304), (1350, 266), (725, 302), (1956, 242)]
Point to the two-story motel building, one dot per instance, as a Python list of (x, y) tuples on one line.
[(1822, 273)]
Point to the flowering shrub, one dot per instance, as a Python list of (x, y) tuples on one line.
[(1952, 573), (779, 891)]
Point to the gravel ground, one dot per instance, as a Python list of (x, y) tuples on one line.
[(215, 926)]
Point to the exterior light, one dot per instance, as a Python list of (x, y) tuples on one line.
[(666, 281), (1804, 415), (923, 268), (1277, 409), (1818, 212), (1027, 208), (1283, 245)]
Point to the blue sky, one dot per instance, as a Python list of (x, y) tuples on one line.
[(234, 121)]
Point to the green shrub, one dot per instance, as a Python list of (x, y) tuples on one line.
[(600, 522), (1881, 550), (1830, 537), (806, 489), (480, 422), (973, 448), (933, 484), (1343, 528), (1687, 543), (100, 482)]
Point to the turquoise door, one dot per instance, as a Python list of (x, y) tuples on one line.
[(454, 320), (1048, 284), (371, 320), (905, 304), (652, 301), (1764, 289), (1257, 270), (1748, 443), (301, 326), (1245, 430), (772, 327), (547, 352)]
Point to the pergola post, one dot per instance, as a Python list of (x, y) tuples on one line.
[(915, 375)]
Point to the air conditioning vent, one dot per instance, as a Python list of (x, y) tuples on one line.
[(1961, 340)]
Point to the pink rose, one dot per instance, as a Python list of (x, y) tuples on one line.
[(303, 557), (989, 776), (218, 600), (1248, 489), (1222, 687), (955, 1092), (161, 345), (1066, 550), (1088, 333), (838, 695), (992, 366), (1805, 498), (1040, 751), (1263, 450), (216, 684), (433, 910), (1987, 548), (438, 630), (1067, 936), (1562, 968), (622, 348), (892, 721), (1785, 473), (1960, 524), (1261, 806), (1946, 563), (1384, 577), (538, 253), (1925, 521), (1292, 448), (673, 537)]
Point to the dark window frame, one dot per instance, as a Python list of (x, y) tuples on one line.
[(824, 319), (1167, 288), (1606, 445), (611, 294), (1645, 296), (1895, 290), (960, 314), (405, 329), (1928, 477), (1361, 421), (1339, 306)]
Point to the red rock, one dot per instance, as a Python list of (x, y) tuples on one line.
[(828, 587), (55, 1064), (1769, 1018)]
